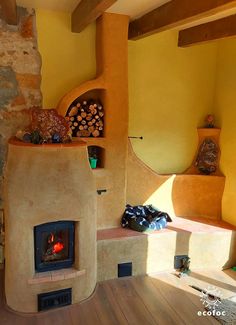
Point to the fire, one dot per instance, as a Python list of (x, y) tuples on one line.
[(55, 245), (51, 238), (58, 247)]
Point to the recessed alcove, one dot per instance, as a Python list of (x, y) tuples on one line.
[(86, 115), (212, 134), (98, 153), (54, 245)]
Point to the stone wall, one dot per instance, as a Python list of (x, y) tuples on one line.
[(20, 65)]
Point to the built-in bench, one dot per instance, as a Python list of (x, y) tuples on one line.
[(209, 244)]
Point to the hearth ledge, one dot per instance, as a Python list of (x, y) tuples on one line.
[(53, 276)]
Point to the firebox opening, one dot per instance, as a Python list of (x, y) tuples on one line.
[(54, 245)]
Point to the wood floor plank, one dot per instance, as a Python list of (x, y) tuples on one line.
[(180, 302), (162, 299), (221, 280), (107, 307), (130, 303), (78, 316), (153, 300), (190, 293), (9, 319), (54, 317), (89, 313)]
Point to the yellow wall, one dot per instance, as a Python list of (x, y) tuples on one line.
[(170, 91), (68, 58), (225, 110)]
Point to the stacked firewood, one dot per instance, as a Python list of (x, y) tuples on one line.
[(86, 119)]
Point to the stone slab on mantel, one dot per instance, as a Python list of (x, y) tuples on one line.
[(57, 275)]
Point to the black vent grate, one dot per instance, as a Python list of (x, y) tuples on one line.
[(54, 299), (124, 269)]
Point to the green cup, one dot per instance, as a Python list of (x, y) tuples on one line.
[(93, 162)]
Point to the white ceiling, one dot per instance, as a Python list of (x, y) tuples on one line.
[(133, 8), (59, 5)]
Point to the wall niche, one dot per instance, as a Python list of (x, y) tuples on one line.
[(96, 156), (86, 115)]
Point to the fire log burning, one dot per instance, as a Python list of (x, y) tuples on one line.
[(55, 246), (86, 118)]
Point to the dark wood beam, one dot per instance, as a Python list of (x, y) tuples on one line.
[(176, 13), (9, 11), (88, 11), (222, 28)]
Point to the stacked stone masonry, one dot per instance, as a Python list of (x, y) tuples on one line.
[(20, 77), (1, 239)]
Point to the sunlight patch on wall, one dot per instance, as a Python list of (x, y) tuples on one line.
[(162, 197)]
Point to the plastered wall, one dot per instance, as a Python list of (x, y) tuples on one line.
[(170, 89), (170, 92), (68, 59), (225, 111)]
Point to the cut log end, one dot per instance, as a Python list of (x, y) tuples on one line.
[(86, 118)]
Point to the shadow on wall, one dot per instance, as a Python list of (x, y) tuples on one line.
[(145, 186), (182, 240), (232, 257), (185, 195)]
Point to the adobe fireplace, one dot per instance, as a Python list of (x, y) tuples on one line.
[(49, 183), (47, 206), (54, 245)]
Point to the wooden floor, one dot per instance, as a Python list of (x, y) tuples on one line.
[(159, 299)]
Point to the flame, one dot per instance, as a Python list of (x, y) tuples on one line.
[(51, 238), (58, 247)]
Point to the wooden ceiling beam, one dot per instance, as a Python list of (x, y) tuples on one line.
[(176, 13), (221, 28), (88, 11), (9, 11)]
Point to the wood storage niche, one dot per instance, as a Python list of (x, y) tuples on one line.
[(86, 115)]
